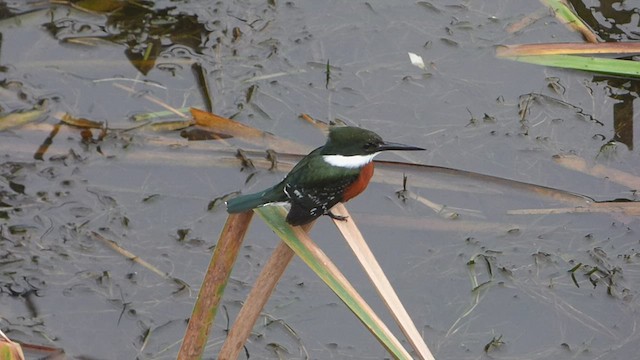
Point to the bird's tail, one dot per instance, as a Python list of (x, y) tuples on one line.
[(247, 202)]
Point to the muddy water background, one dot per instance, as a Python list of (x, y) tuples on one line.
[(149, 191)]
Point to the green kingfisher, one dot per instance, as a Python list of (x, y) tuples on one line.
[(336, 172)]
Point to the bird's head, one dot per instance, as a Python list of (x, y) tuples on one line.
[(351, 141)]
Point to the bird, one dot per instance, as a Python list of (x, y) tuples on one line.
[(335, 172)]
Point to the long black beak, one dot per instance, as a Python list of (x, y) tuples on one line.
[(395, 146)]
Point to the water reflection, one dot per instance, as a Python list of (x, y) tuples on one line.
[(145, 31), (614, 20)]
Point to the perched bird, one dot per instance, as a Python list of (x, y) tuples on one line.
[(333, 173)]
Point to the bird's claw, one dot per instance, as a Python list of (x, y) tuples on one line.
[(337, 217)]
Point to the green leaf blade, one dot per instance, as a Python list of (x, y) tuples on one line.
[(584, 63)]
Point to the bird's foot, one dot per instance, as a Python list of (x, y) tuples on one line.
[(337, 217)]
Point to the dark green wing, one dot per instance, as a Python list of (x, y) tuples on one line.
[(314, 188)]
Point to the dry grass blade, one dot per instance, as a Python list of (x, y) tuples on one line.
[(129, 255), (440, 209), (233, 128), (316, 123), (151, 99), (628, 208), (170, 125), (422, 174), (225, 125), (157, 115), (257, 298), (16, 119), (577, 163), (527, 20), (564, 13), (81, 122), (213, 285), (362, 251), (436, 224)]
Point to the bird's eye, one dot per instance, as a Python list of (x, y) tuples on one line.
[(369, 145)]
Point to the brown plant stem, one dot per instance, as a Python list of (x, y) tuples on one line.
[(257, 298), (213, 285)]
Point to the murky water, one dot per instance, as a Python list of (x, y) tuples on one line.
[(555, 284)]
